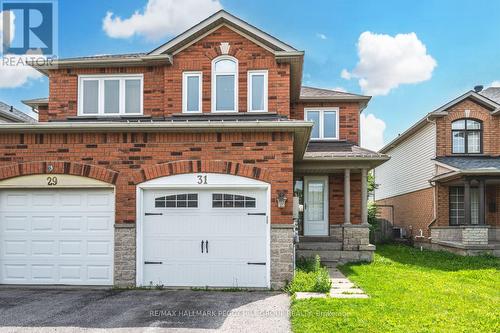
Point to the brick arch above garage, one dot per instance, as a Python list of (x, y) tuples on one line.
[(198, 166), (59, 167)]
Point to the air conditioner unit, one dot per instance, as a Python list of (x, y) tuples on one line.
[(398, 232)]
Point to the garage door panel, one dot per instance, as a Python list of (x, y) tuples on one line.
[(235, 238), (56, 238)]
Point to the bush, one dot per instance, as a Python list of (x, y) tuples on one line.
[(310, 276)]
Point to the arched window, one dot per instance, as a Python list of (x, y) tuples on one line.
[(225, 84), (466, 136)]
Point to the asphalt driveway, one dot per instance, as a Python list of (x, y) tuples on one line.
[(90, 310)]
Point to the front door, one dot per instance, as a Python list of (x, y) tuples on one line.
[(316, 206)]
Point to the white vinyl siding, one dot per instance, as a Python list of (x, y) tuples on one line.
[(410, 167)]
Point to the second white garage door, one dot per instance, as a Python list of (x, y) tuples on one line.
[(57, 236), (209, 237)]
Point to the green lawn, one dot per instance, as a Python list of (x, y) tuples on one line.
[(411, 291)]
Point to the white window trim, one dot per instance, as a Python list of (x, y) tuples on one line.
[(250, 89), (214, 84), (321, 121), (185, 76), (101, 79)]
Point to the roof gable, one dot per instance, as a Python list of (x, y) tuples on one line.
[(472, 95), (213, 22)]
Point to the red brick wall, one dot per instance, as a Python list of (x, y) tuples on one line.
[(336, 198), (163, 84), (491, 124), (139, 156), (412, 211), (348, 117)]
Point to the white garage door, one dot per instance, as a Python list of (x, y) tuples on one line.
[(56, 236), (215, 238)]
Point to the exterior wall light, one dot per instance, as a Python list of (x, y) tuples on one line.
[(281, 199)]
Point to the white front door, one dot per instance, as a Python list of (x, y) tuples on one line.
[(316, 206), (57, 236), (205, 237)]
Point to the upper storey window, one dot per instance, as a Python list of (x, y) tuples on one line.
[(191, 92), (110, 95), (225, 84), (326, 123), (466, 136), (257, 91)]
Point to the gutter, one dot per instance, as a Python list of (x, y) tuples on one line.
[(301, 129), (105, 62)]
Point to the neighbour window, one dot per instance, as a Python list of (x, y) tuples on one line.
[(457, 208), (466, 136), (110, 95), (225, 84), (191, 92), (220, 200), (457, 205), (188, 200), (257, 91), (326, 123)]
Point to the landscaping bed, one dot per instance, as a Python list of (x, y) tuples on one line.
[(410, 291), (310, 276)]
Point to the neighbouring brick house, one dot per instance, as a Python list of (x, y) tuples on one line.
[(442, 184), (180, 166)]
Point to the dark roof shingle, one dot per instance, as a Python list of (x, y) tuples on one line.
[(492, 93), (467, 163), (338, 149)]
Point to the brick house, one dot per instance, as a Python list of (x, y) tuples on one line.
[(442, 184), (184, 166)]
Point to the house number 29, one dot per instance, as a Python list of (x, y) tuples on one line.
[(52, 181), (202, 180)]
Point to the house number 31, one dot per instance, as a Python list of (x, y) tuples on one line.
[(52, 181), (202, 180)]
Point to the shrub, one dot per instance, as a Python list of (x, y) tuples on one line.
[(310, 276)]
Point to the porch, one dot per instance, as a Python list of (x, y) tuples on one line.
[(468, 219), (332, 187)]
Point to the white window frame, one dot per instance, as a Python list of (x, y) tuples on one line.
[(250, 89), (214, 84), (321, 121), (185, 76), (101, 78)]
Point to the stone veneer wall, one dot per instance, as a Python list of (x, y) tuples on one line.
[(282, 255), (466, 235), (125, 255)]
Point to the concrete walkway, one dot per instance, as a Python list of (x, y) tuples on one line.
[(342, 287)]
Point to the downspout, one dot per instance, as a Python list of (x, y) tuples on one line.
[(433, 184)]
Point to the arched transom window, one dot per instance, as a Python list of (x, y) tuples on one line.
[(225, 84), (466, 136)]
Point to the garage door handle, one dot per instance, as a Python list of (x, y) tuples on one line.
[(206, 245), (153, 263), (202, 242), (153, 214), (260, 214), (256, 263)]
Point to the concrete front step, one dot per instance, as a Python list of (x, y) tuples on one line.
[(325, 255), (307, 239), (319, 246)]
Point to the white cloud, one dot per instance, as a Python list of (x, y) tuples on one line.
[(13, 69), (160, 18), (345, 74), (372, 132), (341, 89), (495, 84), (385, 62), (321, 36)]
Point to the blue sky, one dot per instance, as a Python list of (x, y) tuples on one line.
[(461, 37)]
